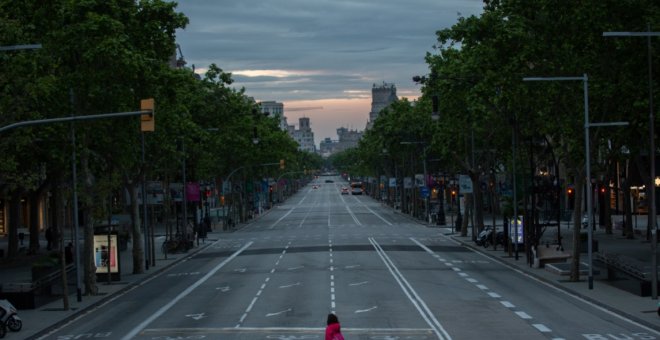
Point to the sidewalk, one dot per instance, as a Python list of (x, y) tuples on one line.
[(40, 320)]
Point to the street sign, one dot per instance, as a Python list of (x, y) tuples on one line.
[(424, 191)]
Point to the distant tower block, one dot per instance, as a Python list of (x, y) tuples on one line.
[(381, 96)]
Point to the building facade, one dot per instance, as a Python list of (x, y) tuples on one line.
[(275, 109), (381, 96), (347, 139), (303, 135)]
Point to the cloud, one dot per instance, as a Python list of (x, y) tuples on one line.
[(293, 50)]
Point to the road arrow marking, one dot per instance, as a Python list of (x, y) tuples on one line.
[(358, 283), (240, 270), (366, 310), (352, 266), (291, 285), (196, 316), (278, 313), (294, 268), (223, 289)]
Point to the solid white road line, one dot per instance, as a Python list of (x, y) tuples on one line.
[(417, 301), (183, 294)]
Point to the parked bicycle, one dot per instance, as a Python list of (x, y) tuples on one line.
[(177, 244)]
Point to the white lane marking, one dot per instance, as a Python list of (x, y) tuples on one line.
[(507, 304), (463, 274), (283, 216), (523, 315), (471, 280), (134, 332), (291, 285), (241, 270), (375, 213), (494, 295), (352, 266), (353, 215), (358, 283), (562, 291), (278, 313), (482, 287), (254, 300), (542, 328), (223, 289), (417, 301), (317, 330), (296, 268), (197, 317), (456, 269), (366, 310)]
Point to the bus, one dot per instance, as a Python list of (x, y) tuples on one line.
[(356, 188)]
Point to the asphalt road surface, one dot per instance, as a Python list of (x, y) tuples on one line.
[(384, 275)]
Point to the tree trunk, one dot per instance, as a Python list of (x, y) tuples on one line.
[(477, 202), (14, 224), (577, 223), (33, 207), (627, 225), (57, 222), (89, 273), (466, 215), (136, 232)]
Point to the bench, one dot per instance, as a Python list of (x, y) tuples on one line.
[(549, 254), (626, 272)]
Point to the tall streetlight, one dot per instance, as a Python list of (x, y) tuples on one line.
[(587, 160), (652, 198)]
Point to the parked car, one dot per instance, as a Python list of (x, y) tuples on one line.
[(329, 181)]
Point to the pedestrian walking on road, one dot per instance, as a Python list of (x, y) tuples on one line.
[(333, 330)]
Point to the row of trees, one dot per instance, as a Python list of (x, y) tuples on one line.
[(486, 110), (103, 56)]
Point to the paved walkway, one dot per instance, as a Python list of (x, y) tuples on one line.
[(37, 322), (640, 309)]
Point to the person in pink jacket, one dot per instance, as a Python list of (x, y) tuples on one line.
[(333, 330)]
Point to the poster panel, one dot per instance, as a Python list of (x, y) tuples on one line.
[(105, 254)]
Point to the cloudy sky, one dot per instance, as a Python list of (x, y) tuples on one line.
[(319, 57)]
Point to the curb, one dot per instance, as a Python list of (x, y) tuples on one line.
[(559, 286), (111, 296)]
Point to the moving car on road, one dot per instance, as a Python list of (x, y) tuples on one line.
[(356, 188)]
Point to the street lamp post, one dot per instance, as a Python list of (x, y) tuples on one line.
[(652, 198), (587, 160)]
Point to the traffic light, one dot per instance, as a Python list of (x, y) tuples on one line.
[(570, 193), (282, 165), (147, 119), (270, 188)]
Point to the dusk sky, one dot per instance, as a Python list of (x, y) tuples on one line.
[(318, 53)]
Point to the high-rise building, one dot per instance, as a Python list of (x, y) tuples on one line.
[(303, 135), (381, 96), (275, 109), (347, 139)]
